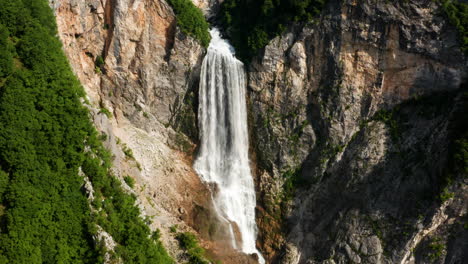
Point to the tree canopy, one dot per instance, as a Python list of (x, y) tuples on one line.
[(191, 20), (46, 137)]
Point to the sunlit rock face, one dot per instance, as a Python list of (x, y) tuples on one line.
[(133, 61)]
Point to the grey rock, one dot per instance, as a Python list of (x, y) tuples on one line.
[(363, 183)]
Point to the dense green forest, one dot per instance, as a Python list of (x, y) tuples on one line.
[(251, 24), (191, 21), (45, 138), (457, 14)]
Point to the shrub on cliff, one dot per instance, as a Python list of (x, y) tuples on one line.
[(191, 21), (457, 14), (189, 243)]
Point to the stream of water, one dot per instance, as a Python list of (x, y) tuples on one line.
[(223, 157)]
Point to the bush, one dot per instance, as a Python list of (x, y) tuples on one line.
[(195, 253), (105, 111), (446, 195), (191, 21), (437, 249), (128, 152), (457, 14), (292, 181), (390, 119), (129, 181), (99, 61)]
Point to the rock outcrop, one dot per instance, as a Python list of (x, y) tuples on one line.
[(353, 118)]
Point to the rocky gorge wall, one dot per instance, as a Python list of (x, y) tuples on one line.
[(353, 117), (351, 120)]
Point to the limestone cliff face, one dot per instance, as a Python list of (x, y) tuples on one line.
[(141, 77), (148, 65), (352, 119)]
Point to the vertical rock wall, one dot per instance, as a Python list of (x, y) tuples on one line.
[(351, 119)]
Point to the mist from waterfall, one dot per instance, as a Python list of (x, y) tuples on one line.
[(223, 157)]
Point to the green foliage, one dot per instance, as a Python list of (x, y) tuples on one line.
[(103, 136), (446, 195), (6, 56), (42, 129), (292, 180), (120, 217), (189, 243), (252, 23), (128, 152), (156, 235), (457, 14), (173, 229), (388, 117), (45, 138), (377, 227), (99, 61), (3, 183), (191, 21), (129, 181), (437, 249), (105, 111), (331, 150)]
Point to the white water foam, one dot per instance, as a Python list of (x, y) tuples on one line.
[(223, 157)]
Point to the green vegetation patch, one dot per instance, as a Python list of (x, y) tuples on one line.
[(251, 24), (446, 195), (191, 20), (129, 181), (189, 243), (437, 249), (457, 14), (292, 181), (46, 137), (389, 118)]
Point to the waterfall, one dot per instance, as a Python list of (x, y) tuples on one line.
[(223, 157)]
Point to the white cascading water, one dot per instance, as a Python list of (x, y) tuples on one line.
[(223, 157)]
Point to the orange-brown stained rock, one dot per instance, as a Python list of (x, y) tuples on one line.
[(149, 67)]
